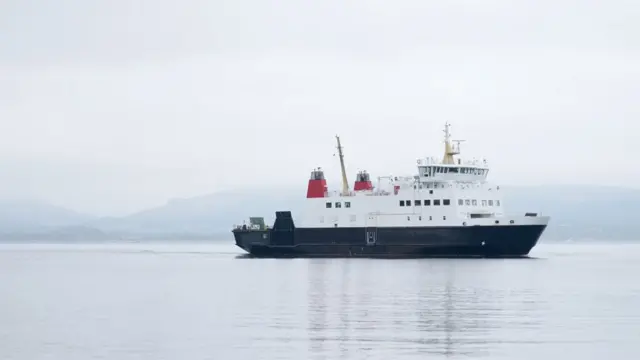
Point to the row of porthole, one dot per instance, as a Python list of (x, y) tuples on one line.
[(464, 223), (420, 218), (474, 202)]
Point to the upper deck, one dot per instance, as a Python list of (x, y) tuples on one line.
[(430, 169), (431, 173)]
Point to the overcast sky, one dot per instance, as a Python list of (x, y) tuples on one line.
[(112, 106)]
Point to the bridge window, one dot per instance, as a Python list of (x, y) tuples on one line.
[(474, 202), (484, 202), (338, 205), (408, 202), (401, 202), (497, 202), (427, 202), (490, 202), (460, 202), (417, 203), (467, 202), (347, 204), (328, 205), (446, 202), (436, 202)]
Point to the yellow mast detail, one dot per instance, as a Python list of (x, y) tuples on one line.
[(345, 184), (449, 151)]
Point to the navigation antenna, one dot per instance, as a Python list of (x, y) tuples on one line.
[(345, 184), (456, 147)]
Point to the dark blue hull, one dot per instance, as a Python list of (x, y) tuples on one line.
[(396, 242)]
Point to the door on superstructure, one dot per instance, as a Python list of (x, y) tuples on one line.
[(371, 229)]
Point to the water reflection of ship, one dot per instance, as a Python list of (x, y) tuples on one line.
[(344, 311), (437, 313), (455, 318), (325, 338), (438, 321), (317, 307)]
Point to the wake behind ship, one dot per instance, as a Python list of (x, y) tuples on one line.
[(447, 209)]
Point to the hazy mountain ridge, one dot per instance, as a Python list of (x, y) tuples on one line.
[(203, 214), (18, 216), (578, 212)]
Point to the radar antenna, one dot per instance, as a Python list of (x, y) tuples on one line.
[(456, 148)]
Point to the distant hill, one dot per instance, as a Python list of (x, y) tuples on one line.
[(204, 214), (19, 216), (580, 213)]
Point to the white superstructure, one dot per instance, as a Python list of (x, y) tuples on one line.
[(443, 193)]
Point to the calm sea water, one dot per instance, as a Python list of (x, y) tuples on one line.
[(201, 301)]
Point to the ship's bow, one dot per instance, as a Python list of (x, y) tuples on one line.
[(516, 238)]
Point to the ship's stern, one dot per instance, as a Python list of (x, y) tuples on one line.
[(252, 236), (248, 239)]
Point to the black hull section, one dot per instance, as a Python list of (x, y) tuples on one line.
[(396, 242)]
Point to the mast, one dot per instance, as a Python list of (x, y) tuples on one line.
[(449, 150), (345, 184)]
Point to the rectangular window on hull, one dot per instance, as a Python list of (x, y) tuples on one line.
[(474, 202), (460, 202), (490, 202), (446, 202), (427, 202), (497, 202), (418, 203), (347, 204), (401, 202), (467, 202), (436, 202), (338, 205), (328, 205), (484, 202)]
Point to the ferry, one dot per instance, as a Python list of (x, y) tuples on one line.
[(447, 209)]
